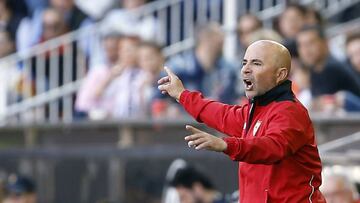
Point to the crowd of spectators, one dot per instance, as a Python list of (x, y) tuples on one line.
[(121, 76), (322, 82), (25, 23)]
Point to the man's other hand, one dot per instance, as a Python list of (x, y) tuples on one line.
[(202, 140), (171, 85)]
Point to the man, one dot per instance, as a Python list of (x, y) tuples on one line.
[(151, 60), (247, 25), (271, 137), (338, 188), (327, 75), (194, 187), (290, 23), (292, 20)]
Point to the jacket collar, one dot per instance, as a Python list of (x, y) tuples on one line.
[(281, 92)]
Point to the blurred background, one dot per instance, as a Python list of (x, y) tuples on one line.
[(81, 119)]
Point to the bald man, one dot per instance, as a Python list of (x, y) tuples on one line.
[(271, 136)]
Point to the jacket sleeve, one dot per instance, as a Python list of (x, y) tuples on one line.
[(228, 119), (287, 131)]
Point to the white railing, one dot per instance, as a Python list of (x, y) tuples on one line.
[(42, 95), (341, 151), (43, 76)]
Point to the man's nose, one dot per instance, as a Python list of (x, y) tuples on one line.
[(245, 69)]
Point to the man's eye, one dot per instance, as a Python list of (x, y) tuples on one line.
[(243, 63), (257, 64)]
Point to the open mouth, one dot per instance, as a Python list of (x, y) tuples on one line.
[(248, 84)]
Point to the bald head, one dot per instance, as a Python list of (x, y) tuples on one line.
[(279, 54), (266, 64)]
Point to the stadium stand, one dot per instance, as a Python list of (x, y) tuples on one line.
[(69, 120)]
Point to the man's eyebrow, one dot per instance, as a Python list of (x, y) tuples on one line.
[(256, 60), (253, 60)]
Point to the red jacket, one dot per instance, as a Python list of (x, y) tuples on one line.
[(272, 138)]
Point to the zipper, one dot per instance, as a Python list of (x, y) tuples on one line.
[(312, 189), (251, 114)]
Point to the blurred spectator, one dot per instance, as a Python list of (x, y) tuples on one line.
[(20, 189), (126, 21), (53, 24), (7, 45), (292, 20), (353, 54), (111, 49), (313, 17), (126, 84), (151, 60), (337, 188), (204, 69), (247, 25), (327, 76), (300, 77), (87, 98), (170, 194), (194, 187), (9, 18), (290, 23), (8, 74), (117, 94), (59, 63), (73, 16)]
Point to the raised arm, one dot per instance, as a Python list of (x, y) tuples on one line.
[(228, 119)]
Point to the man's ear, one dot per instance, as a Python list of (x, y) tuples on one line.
[(281, 75)]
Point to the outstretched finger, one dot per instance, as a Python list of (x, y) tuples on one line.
[(169, 72), (164, 80), (163, 87), (197, 142), (203, 145), (193, 129), (194, 136)]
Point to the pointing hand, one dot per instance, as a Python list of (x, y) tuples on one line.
[(202, 140), (171, 85)]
